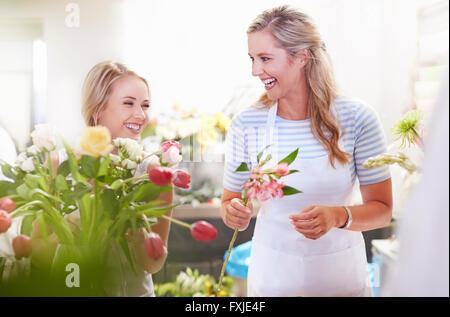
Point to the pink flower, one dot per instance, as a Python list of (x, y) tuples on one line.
[(203, 231), (282, 169), (154, 246), (252, 189), (265, 192), (168, 144), (275, 189), (21, 246), (160, 176), (7, 204), (5, 221), (256, 173), (182, 179)]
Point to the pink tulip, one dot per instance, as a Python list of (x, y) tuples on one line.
[(282, 169), (168, 144), (160, 176), (154, 246), (5, 221), (256, 173), (182, 179), (203, 231), (21, 246), (7, 204)]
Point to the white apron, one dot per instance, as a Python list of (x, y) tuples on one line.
[(285, 263)]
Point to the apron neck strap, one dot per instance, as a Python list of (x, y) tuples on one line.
[(271, 116)]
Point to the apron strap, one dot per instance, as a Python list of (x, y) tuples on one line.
[(270, 126)]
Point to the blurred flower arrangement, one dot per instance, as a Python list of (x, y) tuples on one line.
[(192, 284), (104, 192), (406, 151), (263, 185), (207, 129)]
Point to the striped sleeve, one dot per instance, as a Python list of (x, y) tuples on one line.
[(369, 141), (235, 153)]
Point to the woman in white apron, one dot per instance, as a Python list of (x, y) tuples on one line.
[(308, 244)]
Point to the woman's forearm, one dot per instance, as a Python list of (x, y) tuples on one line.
[(368, 216)]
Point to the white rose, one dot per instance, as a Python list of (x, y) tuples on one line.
[(27, 165), (33, 150), (115, 158), (131, 147), (44, 137), (172, 156), (153, 161), (127, 163)]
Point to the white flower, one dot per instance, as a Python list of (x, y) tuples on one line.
[(21, 158), (153, 161), (27, 165), (172, 156), (44, 137), (33, 150), (115, 158), (127, 163), (130, 148)]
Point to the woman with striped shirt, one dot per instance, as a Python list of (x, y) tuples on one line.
[(309, 244)]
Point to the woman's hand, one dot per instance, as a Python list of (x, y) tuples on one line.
[(315, 221), (236, 215)]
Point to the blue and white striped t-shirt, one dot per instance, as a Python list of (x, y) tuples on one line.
[(363, 137)]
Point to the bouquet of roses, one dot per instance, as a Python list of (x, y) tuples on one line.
[(100, 195), (263, 185)]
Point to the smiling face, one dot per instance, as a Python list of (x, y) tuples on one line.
[(125, 113), (280, 72)]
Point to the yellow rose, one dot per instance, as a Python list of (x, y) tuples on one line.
[(96, 141)]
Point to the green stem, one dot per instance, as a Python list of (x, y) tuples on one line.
[(147, 225), (145, 176), (178, 222), (222, 272), (35, 202), (147, 156), (233, 239)]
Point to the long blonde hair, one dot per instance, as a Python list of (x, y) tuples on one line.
[(295, 31), (97, 88)]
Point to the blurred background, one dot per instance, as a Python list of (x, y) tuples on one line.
[(390, 53)]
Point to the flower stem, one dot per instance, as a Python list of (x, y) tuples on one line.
[(147, 156), (222, 272), (233, 239), (178, 222)]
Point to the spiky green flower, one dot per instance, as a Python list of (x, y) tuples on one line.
[(406, 128)]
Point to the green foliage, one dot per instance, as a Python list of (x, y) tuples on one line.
[(191, 283)]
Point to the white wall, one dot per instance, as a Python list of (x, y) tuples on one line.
[(195, 52)]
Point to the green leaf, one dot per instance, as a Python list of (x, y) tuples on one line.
[(43, 226), (293, 171), (74, 168), (287, 190), (267, 159), (32, 180), (27, 225), (90, 166), (7, 188), (258, 158), (146, 192), (104, 166), (64, 168), (24, 191), (127, 252), (158, 211), (242, 168), (61, 183), (290, 158), (110, 202), (7, 171)]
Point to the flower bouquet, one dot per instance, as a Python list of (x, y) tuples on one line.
[(263, 185), (97, 200)]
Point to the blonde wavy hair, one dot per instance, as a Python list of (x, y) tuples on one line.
[(295, 31), (97, 88)]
